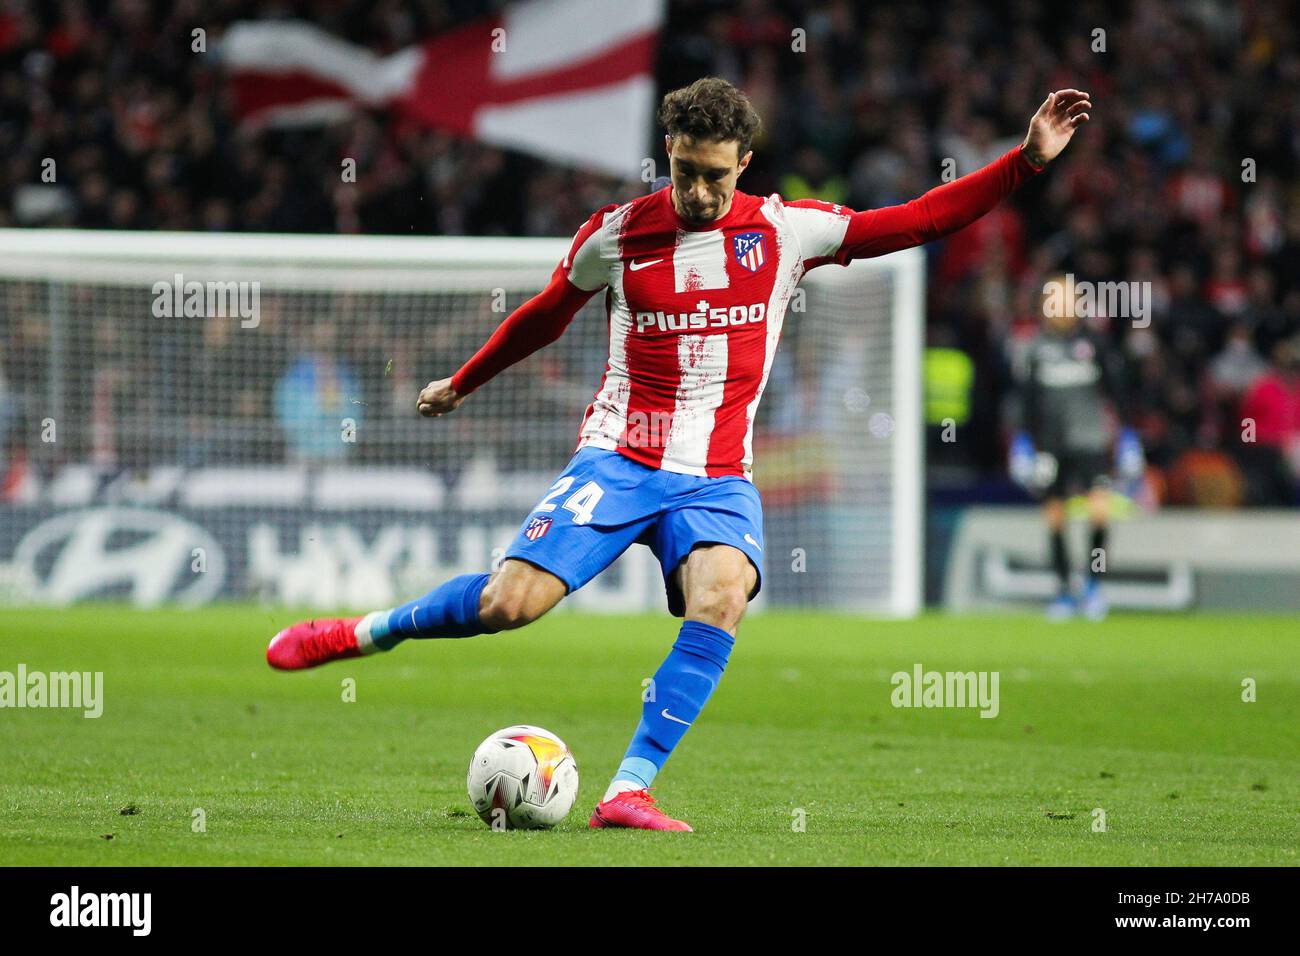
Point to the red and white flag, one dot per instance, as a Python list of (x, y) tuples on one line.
[(571, 81)]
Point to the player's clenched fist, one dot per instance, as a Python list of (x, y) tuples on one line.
[(438, 398)]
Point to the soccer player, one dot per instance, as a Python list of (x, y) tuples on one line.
[(1064, 448), (696, 279)]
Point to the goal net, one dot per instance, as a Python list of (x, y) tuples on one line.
[(187, 418)]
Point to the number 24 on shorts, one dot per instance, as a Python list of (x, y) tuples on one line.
[(582, 502)]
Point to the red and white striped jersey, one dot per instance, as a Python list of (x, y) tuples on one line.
[(695, 314)]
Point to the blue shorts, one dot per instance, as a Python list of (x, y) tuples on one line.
[(603, 503)]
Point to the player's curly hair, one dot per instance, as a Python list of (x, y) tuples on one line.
[(713, 110)]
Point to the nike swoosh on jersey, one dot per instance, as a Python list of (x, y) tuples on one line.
[(750, 538), (664, 713), (634, 266)]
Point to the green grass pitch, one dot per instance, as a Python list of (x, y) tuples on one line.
[(1141, 716)]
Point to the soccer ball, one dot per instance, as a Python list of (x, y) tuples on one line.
[(522, 778)]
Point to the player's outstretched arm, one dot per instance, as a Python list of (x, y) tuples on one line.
[(952, 206), (535, 324)]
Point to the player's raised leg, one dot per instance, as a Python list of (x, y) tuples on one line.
[(573, 533), (470, 604), (717, 581)]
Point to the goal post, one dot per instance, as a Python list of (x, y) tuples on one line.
[(195, 417), (864, 326)]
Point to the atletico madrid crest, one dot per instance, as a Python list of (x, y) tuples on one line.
[(750, 249), (536, 528)]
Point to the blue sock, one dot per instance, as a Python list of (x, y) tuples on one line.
[(449, 610), (681, 687)]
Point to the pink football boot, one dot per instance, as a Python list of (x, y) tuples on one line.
[(636, 810), (312, 643)]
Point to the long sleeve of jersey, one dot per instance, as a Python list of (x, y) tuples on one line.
[(543, 318), (831, 233), (534, 325)]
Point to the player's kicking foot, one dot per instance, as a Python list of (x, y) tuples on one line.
[(636, 810), (312, 643)]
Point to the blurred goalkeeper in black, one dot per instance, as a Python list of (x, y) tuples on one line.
[(1069, 379)]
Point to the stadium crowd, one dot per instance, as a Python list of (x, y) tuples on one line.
[(1186, 179)]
